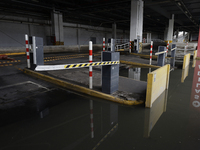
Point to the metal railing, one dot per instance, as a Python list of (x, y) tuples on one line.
[(123, 47)]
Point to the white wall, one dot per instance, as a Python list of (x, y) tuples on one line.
[(12, 33)]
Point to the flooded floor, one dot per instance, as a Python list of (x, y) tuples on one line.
[(52, 118)]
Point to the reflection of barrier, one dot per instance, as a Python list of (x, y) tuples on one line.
[(186, 61), (157, 82), (194, 58), (152, 115), (185, 73)]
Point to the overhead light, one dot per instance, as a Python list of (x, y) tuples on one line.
[(179, 3), (190, 16), (186, 12)]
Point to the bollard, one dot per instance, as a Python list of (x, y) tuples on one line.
[(27, 51), (90, 68), (151, 52), (104, 44), (173, 54), (130, 47), (167, 47), (161, 55)]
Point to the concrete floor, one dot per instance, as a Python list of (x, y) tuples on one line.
[(38, 115)]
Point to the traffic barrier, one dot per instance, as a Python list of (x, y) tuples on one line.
[(185, 73), (194, 58), (157, 82), (186, 61)]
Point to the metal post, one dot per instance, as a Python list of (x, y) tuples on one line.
[(27, 51), (130, 47), (90, 68), (167, 47), (104, 44), (151, 52)]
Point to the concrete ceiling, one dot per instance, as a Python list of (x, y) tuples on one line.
[(105, 12)]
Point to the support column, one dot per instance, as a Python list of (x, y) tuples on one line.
[(114, 31), (136, 20), (170, 30), (148, 37), (57, 27)]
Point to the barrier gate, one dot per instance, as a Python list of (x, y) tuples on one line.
[(110, 63)]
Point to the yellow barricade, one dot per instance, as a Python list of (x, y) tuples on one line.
[(194, 58), (185, 73), (186, 61), (157, 82)]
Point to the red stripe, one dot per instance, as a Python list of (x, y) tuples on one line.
[(151, 46), (27, 50), (104, 46), (90, 61), (103, 50), (92, 129), (104, 42), (91, 111), (28, 57), (91, 120), (90, 73), (150, 56), (26, 42), (90, 52), (150, 52)]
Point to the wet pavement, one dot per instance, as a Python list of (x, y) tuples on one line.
[(38, 115)]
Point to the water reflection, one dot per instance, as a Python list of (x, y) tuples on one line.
[(195, 94), (134, 73), (152, 115), (185, 73)]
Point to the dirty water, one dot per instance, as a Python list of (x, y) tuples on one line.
[(61, 120)]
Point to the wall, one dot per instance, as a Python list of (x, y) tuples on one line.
[(12, 33)]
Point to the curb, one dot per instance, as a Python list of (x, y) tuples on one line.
[(81, 89), (138, 64)]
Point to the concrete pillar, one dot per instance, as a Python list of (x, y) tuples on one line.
[(114, 31), (165, 34), (57, 27), (170, 30), (136, 20), (148, 37), (190, 37)]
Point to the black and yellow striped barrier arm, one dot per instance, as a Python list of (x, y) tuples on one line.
[(72, 66)]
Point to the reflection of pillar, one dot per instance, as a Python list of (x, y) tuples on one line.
[(136, 20), (114, 31), (91, 119), (57, 25), (148, 37), (134, 73)]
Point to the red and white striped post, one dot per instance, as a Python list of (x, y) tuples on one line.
[(104, 44), (91, 119), (167, 47), (27, 51), (130, 47), (151, 52), (90, 67)]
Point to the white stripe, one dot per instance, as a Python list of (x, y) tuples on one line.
[(26, 37), (90, 57), (27, 53), (90, 82), (90, 68), (90, 45), (91, 125), (26, 45), (91, 115), (28, 63)]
